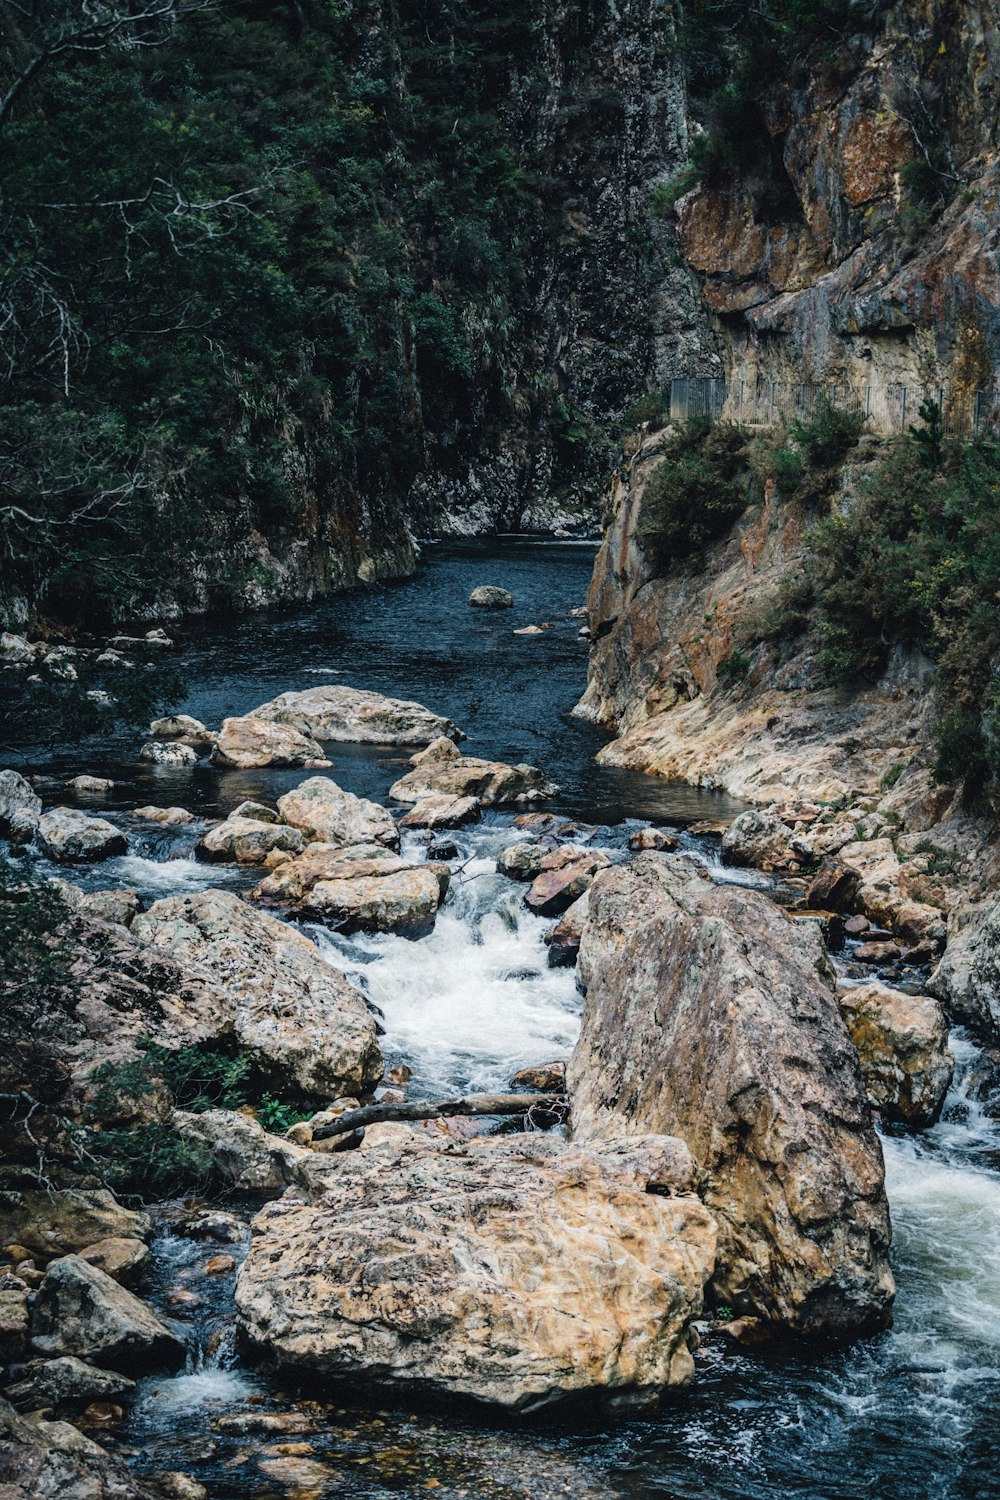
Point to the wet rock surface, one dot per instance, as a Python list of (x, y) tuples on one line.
[(710, 1016), (519, 1271), (902, 1044), (80, 1311), (324, 812), (69, 836)]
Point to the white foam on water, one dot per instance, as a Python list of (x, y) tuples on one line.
[(168, 877), (193, 1393)]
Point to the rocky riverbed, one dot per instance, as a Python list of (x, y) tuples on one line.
[(716, 1208)]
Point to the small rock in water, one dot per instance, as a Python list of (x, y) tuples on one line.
[(489, 596), (170, 817), (442, 849), (168, 753), (73, 837), (653, 838), (91, 784), (543, 1078), (220, 1265)]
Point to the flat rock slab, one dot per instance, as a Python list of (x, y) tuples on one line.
[(248, 742), (518, 1270), (491, 781), (351, 715), (292, 881), (711, 1016)]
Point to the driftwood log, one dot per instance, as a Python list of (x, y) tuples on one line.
[(438, 1109)]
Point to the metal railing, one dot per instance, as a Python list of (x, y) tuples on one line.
[(888, 410)]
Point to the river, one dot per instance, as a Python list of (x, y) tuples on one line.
[(913, 1413)]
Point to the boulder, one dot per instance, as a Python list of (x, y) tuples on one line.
[(120, 905), (292, 881), (323, 811), (250, 742), (80, 1310), (516, 1270), (489, 596), (259, 811), (967, 979), (521, 861), (490, 780), (562, 879), (13, 1319), (184, 728), (22, 827), (70, 836), (653, 838), (438, 811), (15, 650), (243, 1153), (834, 887), (55, 1223), (58, 1382), (902, 1043), (17, 796), (94, 784), (440, 749), (246, 841), (564, 938), (351, 715), (542, 1078), (168, 753), (298, 1016), (168, 817), (124, 1260), (711, 1016), (42, 1460), (403, 901), (758, 839)]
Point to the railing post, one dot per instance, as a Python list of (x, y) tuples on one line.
[(774, 400), (902, 408), (868, 403), (742, 389)]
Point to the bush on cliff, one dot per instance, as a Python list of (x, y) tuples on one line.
[(697, 491)]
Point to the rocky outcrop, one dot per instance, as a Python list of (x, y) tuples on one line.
[(967, 979), (323, 811), (295, 1014), (710, 1016), (333, 712), (72, 837), (492, 782), (519, 1270), (246, 841), (902, 1045), (249, 742), (41, 1460), (80, 1311)]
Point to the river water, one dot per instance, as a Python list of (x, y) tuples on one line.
[(913, 1413)]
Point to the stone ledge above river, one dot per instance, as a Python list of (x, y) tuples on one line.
[(515, 1270)]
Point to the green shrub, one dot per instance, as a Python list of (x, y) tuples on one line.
[(828, 434), (695, 494)]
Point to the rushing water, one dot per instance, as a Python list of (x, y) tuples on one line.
[(910, 1415)]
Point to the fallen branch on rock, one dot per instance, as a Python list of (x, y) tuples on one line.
[(439, 1109)]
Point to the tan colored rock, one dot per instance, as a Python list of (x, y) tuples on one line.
[(440, 749), (352, 715), (79, 1310), (95, 784), (521, 861), (404, 901), (70, 836), (490, 780), (170, 817), (323, 811), (516, 1270), (757, 838), (243, 1154), (298, 1016), (967, 979), (13, 1319), (49, 1224), (564, 938), (902, 1043), (183, 728), (249, 742), (168, 753), (711, 1016), (657, 839), (124, 1260), (542, 1078), (294, 879), (438, 811), (245, 841), (563, 877)]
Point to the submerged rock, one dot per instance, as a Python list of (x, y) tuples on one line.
[(323, 811), (351, 715), (169, 817), (80, 1311), (491, 781), (298, 1017), (251, 742), (246, 841), (902, 1043), (489, 596), (70, 836), (516, 1270), (711, 1016)]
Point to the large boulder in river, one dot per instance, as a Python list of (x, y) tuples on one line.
[(249, 742), (490, 596), (79, 1310), (758, 839), (66, 1380), (18, 798), (711, 1016), (298, 1016), (491, 781), (516, 1270), (438, 811), (359, 890), (967, 979), (70, 836), (184, 728), (247, 841), (323, 811), (563, 876), (902, 1043), (334, 712), (168, 753), (293, 880)]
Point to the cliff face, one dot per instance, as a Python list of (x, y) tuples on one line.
[(880, 264)]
